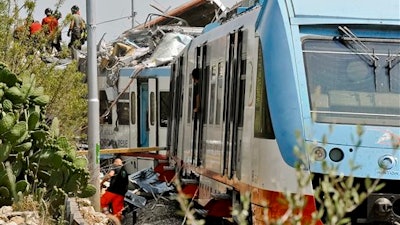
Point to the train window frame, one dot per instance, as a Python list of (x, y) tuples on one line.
[(190, 100), (212, 94), (124, 96), (179, 91), (358, 99), (103, 107), (242, 90), (220, 91), (152, 108), (123, 112), (262, 118), (133, 108), (204, 93), (164, 108)]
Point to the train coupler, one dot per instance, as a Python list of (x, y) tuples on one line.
[(383, 208)]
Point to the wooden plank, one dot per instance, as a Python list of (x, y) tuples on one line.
[(124, 150)]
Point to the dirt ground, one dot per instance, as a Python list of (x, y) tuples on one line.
[(163, 212), (168, 212)]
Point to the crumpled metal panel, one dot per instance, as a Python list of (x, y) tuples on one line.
[(170, 46), (148, 180), (132, 198)]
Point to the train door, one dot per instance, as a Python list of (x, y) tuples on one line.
[(147, 111), (233, 104), (199, 121), (133, 126), (177, 106), (143, 102), (240, 84), (152, 112)]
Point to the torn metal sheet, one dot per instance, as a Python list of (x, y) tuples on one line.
[(132, 198), (148, 180), (149, 47), (171, 45)]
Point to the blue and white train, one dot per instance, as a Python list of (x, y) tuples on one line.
[(286, 74), (134, 109)]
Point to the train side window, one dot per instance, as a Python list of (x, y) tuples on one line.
[(262, 118), (104, 104), (242, 90), (152, 108), (190, 99), (220, 86), (133, 108), (213, 83), (205, 88), (164, 108), (123, 113)]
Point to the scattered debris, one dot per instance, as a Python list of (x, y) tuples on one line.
[(147, 180), (10, 217), (89, 214), (151, 47)]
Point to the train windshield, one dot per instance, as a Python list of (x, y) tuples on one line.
[(353, 82)]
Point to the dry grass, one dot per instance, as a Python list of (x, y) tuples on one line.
[(29, 204)]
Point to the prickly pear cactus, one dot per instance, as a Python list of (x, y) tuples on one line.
[(34, 151)]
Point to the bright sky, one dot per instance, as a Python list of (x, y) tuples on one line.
[(111, 15)]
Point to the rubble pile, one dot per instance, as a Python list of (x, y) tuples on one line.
[(140, 48), (154, 46), (89, 214), (150, 47), (153, 199), (10, 217)]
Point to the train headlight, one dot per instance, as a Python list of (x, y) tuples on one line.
[(318, 153), (336, 154)]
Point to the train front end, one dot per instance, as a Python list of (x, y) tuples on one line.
[(336, 72)]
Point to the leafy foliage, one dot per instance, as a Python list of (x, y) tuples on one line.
[(24, 56), (37, 156), (32, 154), (67, 98)]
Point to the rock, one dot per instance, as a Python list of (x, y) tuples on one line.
[(5, 210), (10, 217), (18, 220)]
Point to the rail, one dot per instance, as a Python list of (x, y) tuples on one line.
[(124, 150)]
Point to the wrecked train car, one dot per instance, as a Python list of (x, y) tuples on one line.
[(133, 82)]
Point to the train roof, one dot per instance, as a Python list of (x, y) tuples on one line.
[(163, 71), (197, 13), (302, 10), (243, 19)]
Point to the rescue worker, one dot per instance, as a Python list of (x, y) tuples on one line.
[(57, 39), (35, 36), (35, 27), (115, 193), (76, 28), (49, 23), (50, 26)]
